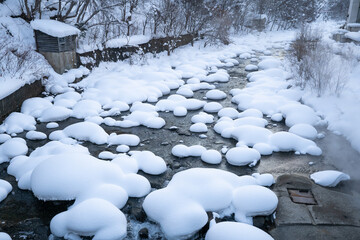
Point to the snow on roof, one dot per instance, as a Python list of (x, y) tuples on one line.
[(54, 28)]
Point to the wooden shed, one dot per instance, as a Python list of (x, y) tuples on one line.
[(353, 20), (56, 41)]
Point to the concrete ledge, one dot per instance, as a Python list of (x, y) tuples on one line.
[(14, 100)]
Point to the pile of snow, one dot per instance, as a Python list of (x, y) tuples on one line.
[(228, 112), (4, 236), (82, 131), (211, 156), (329, 178), (296, 113), (146, 161), (54, 28), (215, 94), (4, 137), (148, 119), (251, 67), (11, 148), (355, 36), (5, 189), (304, 130), (182, 151), (242, 156), (199, 128), (92, 217), (175, 101), (202, 117), (269, 62), (133, 40), (123, 139), (212, 107), (236, 231), (17, 123), (35, 135), (220, 76), (181, 207)]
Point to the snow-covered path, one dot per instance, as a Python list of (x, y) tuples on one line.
[(168, 113)]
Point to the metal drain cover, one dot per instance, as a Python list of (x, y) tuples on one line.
[(302, 196)]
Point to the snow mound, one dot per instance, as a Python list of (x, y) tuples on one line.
[(242, 156), (55, 113), (4, 236), (251, 112), (123, 139), (199, 128), (93, 217), (12, 148), (175, 101), (202, 118), (35, 106), (35, 135), (236, 231), (329, 178), (4, 137), (122, 148), (17, 123), (182, 151), (212, 107), (82, 131), (251, 67), (298, 113), (52, 125), (211, 156), (149, 162), (215, 94), (5, 189), (220, 76), (304, 130), (181, 207), (180, 111), (148, 119), (86, 108), (269, 62), (185, 91), (228, 112)]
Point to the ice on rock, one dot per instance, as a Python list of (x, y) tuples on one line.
[(242, 156), (17, 123), (11, 148), (4, 137), (86, 108), (251, 67), (180, 111), (4, 236), (304, 130), (329, 178), (212, 107), (202, 118), (5, 189), (35, 106), (286, 141), (182, 151), (123, 139), (236, 231), (215, 94), (211, 156), (198, 128), (181, 207), (35, 135), (92, 217), (82, 131), (52, 125), (228, 112)]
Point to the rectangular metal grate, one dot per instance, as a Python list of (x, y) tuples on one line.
[(302, 196)]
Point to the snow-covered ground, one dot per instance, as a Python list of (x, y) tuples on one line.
[(63, 169)]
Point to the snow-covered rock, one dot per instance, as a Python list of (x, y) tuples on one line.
[(242, 156), (329, 178), (11, 148), (211, 156), (215, 94), (5, 189)]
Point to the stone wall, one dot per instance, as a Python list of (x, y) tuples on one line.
[(14, 100), (93, 58)]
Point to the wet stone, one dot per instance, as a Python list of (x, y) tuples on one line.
[(144, 233)]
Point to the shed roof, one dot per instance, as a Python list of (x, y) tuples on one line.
[(54, 28)]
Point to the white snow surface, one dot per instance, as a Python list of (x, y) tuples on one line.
[(211, 156), (18, 122), (182, 151), (4, 236), (236, 231), (242, 156), (191, 193), (35, 135), (54, 28), (5, 189), (329, 178), (11, 148), (215, 94)]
